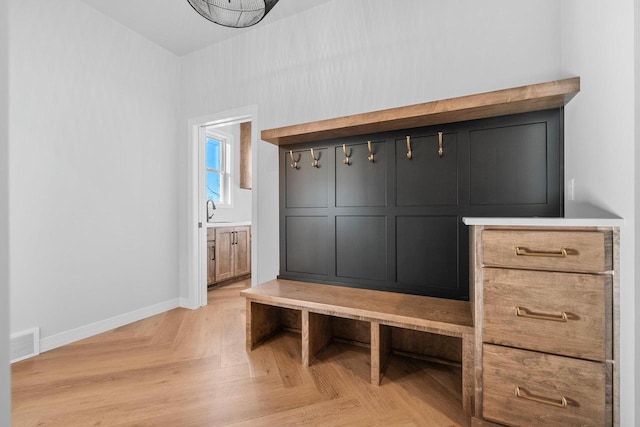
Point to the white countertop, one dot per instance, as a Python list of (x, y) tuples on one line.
[(576, 214), (217, 224)]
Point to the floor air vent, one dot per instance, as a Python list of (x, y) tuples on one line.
[(25, 344)]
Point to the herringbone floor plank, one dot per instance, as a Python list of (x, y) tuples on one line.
[(190, 368)]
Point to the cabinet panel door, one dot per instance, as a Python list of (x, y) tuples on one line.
[(427, 254), (508, 165), (361, 183), (224, 254), (242, 251), (245, 155), (306, 187), (307, 238), (361, 247), (427, 179), (211, 262)]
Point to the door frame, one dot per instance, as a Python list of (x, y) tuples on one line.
[(196, 209)]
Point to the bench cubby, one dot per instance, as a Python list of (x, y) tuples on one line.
[(382, 321)]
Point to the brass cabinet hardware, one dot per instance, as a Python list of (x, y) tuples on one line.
[(440, 150), (562, 253), (346, 156), (523, 394), (409, 153), (294, 164), (524, 312), (314, 163), (371, 156)]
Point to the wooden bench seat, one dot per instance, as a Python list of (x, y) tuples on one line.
[(383, 310)]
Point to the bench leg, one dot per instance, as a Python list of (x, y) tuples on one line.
[(263, 321), (380, 351), (468, 373), (316, 335)]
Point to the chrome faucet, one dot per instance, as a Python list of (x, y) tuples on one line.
[(210, 208)]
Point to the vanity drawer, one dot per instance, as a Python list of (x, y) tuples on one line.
[(561, 313), (588, 251), (527, 388)]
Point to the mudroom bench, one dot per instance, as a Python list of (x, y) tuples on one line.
[(315, 305)]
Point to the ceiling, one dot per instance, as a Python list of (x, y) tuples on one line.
[(174, 25)]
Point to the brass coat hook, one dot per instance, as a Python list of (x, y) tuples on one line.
[(371, 156), (315, 161), (440, 150), (294, 164), (409, 153), (346, 160)]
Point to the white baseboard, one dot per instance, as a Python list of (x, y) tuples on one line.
[(187, 303), (86, 331)]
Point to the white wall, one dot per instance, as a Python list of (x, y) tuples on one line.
[(5, 407), (598, 45), (636, 181), (93, 169), (350, 57), (240, 209)]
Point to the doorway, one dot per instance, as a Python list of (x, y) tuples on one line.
[(197, 215)]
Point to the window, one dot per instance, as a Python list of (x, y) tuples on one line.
[(217, 169)]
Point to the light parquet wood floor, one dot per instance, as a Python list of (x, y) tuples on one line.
[(190, 368)]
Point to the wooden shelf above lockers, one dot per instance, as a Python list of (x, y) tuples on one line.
[(536, 97)]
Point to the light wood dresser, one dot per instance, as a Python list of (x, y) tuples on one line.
[(545, 294)]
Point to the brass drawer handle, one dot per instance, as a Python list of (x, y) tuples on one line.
[(562, 403), (562, 253), (524, 312)]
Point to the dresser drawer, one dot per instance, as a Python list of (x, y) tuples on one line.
[(561, 313), (588, 251), (526, 388)]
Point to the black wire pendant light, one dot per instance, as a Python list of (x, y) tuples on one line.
[(233, 13)]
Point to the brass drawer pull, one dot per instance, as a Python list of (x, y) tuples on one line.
[(562, 253), (523, 312), (562, 403)]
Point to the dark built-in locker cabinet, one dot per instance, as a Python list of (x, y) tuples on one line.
[(395, 224)]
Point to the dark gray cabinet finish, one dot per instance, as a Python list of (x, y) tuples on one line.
[(508, 165), (306, 186), (426, 247), (427, 179), (395, 224), (362, 174), (361, 247), (306, 248)]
